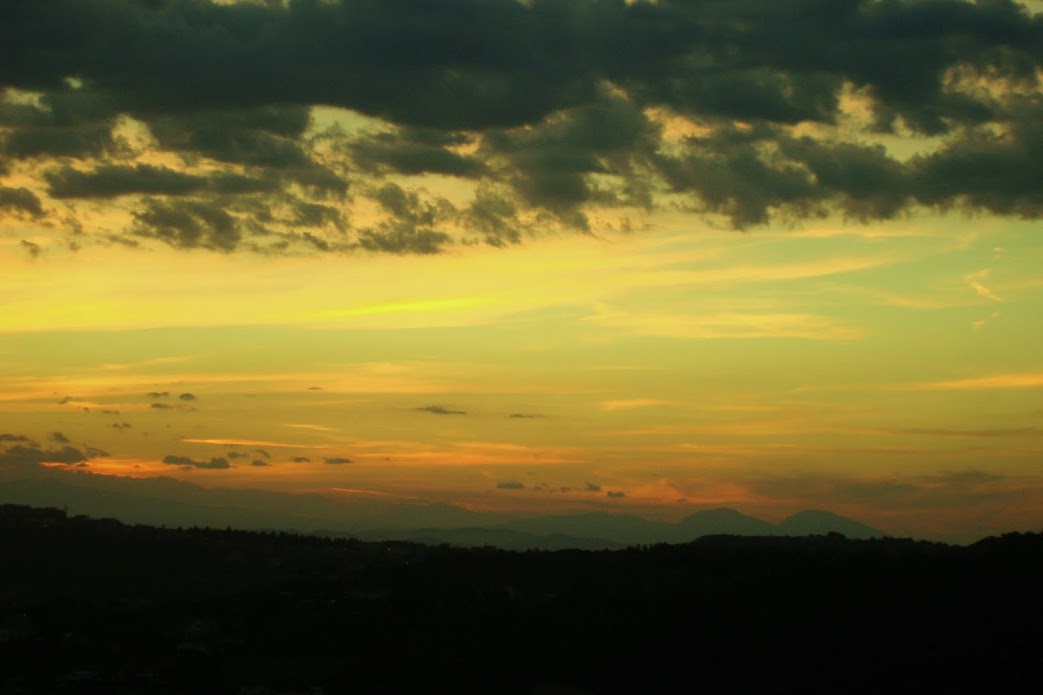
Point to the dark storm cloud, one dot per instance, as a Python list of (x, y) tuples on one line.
[(267, 137), (188, 224), (986, 172), (414, 151), (112, 181), (410, 227), (90, 140), (262, 137), (214, 463), (20, 200), (117, 180), (64, 122), (399, 238), (440, 410), (495, 216), (553, 161), (510, 485), (315, 215), (545, 104), (410, 61), (238, 184)]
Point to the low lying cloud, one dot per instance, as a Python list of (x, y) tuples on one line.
[(440, 410), (18, 439), (31, 455), (187, 462)]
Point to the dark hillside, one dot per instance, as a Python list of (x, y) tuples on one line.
[(98, 606)]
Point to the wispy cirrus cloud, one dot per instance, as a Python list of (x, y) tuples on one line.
[(248, 442), (725, 325), (317, 428), (1017, 380), (631, 403)]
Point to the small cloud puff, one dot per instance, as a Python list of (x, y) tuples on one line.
[(440, 410)]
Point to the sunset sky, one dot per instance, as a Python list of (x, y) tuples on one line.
[(646, 257)]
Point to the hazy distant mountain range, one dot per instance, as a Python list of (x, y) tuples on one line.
[(165, 501)]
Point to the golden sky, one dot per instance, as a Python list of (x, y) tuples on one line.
[(769, 288)]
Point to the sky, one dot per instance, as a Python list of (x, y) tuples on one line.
[(543, 256)]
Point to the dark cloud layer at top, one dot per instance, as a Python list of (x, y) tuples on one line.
[(544, 104), (410, 61)]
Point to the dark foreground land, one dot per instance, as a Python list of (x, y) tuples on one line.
[(98, 606)]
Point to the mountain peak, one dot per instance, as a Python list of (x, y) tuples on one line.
[(817, 522), (725, 521)]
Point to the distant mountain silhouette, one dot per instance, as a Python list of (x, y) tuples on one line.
[(710, 522), (165, 501), (621, 528), (816, 522), (508, 539), (170, 502)]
